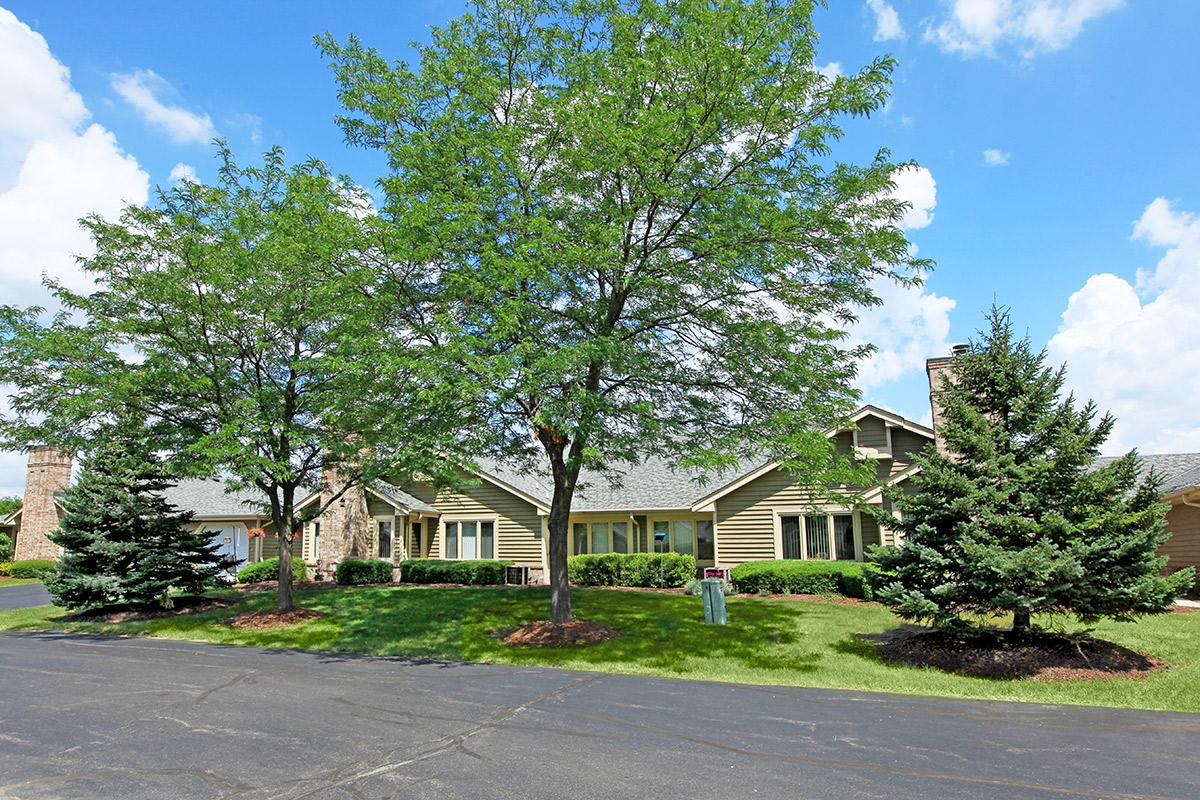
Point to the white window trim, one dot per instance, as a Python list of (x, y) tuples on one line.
[(460, 518), (830, 511), (375, 537), (671, 519), (631, 533)]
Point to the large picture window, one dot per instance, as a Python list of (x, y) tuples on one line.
[(468, 540), (820, 537), (610, 536)]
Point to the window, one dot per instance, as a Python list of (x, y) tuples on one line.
[(662, 542), (581, 538), (620, 537), (470, 539), (681, 541), (600, 537), (843, 536), (791, 537), (818, 536), (316, 541), (385, 538), (705, 541), (416, 539)]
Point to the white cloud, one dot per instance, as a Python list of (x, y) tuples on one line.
[(995, 158), (980, 27), (916, 186), (142, 90), (182, 172), (1135, 350), (831, 70), (912, 323), (54, 169), (887, 21)]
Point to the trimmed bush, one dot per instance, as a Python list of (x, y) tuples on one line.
[(38, 568), (649, 570), (802, 577), (472, 573), (5, 566), (268, 570), (356, 571)]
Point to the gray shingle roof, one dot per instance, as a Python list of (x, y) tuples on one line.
[(1177, 470), (397, 495), (207, 498), (652, 484)]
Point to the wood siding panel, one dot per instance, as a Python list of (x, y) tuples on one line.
[(872, 433), (905, 444), (870, 532), (1183, 548), (518, 529)]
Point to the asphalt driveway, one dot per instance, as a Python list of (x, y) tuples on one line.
[(25, 595), (86, 717)]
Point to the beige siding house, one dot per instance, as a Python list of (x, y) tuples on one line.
[(500, 512)]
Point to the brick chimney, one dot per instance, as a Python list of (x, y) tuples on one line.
[(48, 474), (937, 369), (346, 524)]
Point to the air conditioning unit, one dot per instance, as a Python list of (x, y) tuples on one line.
[(516, 576)]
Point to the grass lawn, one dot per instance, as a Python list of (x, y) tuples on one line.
[(17, 581), (768, 641)]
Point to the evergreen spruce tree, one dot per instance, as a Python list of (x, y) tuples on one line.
[(123, 544), (1014, 517)]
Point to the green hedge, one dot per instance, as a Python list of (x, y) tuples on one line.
[(5, 566), (37, 568), (651, 570), (268, 570), (356, 570), (432, 570), (802, 577)]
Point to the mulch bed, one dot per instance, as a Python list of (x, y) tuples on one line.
[(184, 605), (265, 620), (998, 654), (545, 633)]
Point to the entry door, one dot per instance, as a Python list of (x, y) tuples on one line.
[(232, 541)]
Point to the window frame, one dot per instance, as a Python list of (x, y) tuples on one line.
[(670, 520), (631, 538), (479, 520), (829, 512)]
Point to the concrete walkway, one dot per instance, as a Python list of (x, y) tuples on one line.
[(88, 717)]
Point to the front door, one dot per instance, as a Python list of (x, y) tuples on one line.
[(232, 542)]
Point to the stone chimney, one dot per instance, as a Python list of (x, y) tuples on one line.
[(48, 474), (345, 523), (938, 369)]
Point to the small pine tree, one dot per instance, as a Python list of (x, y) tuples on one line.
[(1014, 517), (123, 544)]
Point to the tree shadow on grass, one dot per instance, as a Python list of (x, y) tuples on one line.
[(660, 633)]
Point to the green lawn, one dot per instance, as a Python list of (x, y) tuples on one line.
[(767, 641), (18, 581)]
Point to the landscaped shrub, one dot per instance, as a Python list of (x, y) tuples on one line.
[(5, 566), (432, 570), (356, 570), (651, 570), (802, 577), (38, 568), (268, 570)]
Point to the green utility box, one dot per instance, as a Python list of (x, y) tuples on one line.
[(714, 602)]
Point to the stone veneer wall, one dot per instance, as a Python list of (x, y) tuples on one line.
[(48, 473), (345, 524)]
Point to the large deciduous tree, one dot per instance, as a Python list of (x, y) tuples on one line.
[(1015, 516), (244, 321), (641, 240)]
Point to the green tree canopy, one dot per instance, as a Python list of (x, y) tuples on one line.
[(123, 543), (1015, 517), (637, 237), (244, 322)]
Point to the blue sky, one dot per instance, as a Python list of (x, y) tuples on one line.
[(1057, 141)]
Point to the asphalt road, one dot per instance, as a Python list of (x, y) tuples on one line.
[(88, 717), (25, 595)]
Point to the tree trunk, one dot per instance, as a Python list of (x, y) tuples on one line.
[(560, 587), (1021, 621), (284, 600)]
